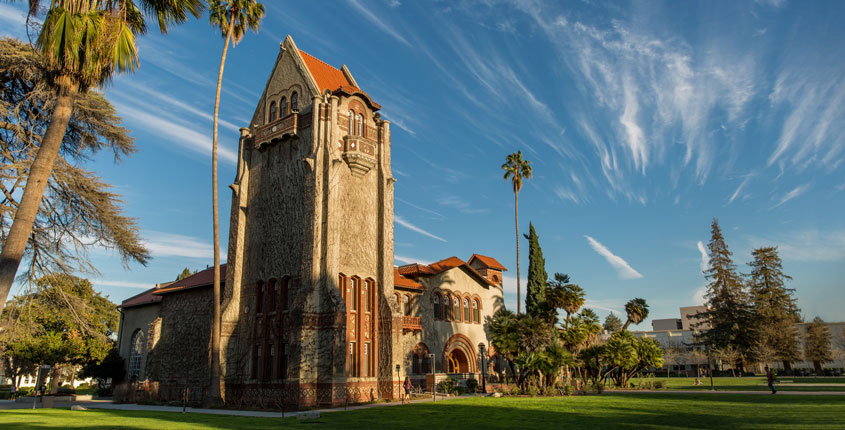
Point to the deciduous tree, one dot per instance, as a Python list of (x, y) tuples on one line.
[(817, 341)]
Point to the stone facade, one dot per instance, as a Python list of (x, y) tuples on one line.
[(311, 303)]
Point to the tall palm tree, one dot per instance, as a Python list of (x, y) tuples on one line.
[(88, 42), (233, 18), (637, 310), (516, 169)]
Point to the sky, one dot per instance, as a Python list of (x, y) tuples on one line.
[(643, 122)]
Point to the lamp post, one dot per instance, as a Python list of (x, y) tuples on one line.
[(481, 348), (433, 379), (710, 368), (399, 378)]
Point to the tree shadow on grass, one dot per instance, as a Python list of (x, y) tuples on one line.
[(606, 412)]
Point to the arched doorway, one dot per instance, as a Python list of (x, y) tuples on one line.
[(457, 362), (459, 355)]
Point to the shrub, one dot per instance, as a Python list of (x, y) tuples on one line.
[(660, 384), (460, 390), (598, 387), (568, 390), (64, 391), (532, 391), (472, 385), (448, 385), (105, 391), (515, 391)]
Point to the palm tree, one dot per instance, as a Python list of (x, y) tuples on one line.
[(637, 310), (560, 294), (87, 42), (233, 17), (516, 169)]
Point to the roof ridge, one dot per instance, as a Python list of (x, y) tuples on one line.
[(312, 56)]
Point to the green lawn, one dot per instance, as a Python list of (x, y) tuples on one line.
[(754, 383), (664, 411)]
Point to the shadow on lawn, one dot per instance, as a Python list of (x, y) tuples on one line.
[(609, 411)]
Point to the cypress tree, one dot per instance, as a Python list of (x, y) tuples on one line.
[(729, 312), (535, 302), (774, 305), (612, 323)]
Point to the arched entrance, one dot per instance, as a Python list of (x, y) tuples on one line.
[(459, 355), (457, 362)]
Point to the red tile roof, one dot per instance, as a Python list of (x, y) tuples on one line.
[(327, 77), (200, 279), (415, 269), (490, 262), (145, 298), (401, 281), (446, 264)]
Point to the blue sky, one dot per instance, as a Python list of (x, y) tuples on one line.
[(643, 121)]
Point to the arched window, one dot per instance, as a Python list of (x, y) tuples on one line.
[(466, 311), (456, 303), (283, 107), (365, 296), (359, 123), (272, 111), (353, 286), (273, 291), (136, 354), (351, 122), (475, 314), (406, 304), (437, 310), (447, 308), (285, 296), (294, 102), (259, 297)]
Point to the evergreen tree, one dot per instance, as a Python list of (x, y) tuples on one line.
[(185, 274), (612, 323), (817, 344), (728, 306), (535, 302), (774, 306)]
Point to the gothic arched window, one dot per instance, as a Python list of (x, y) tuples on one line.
[(136, 354), (456, 303), (406, 304), (437, 310), (283, 107), (353, 291), (466, 311), (359, 125), (351, 122), (272, 112), (475, 314), (294, 102)]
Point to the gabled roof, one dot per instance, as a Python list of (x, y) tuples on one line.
[(401, 281), (145, 298), (200, 279), (327, 77), (489, 262), (416, 269)]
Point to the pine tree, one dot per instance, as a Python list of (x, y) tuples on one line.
[(774, 306), (535, 302), (817, 345), (612, 323), (729, 312)]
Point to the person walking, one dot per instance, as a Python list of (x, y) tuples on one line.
[(770, 379), (407, 386)]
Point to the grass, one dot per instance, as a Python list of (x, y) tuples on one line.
[(663, 411), (750, 383)]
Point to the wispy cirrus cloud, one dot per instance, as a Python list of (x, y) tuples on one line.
[(401, 221), (795, 192), (462, 205), (161, 244), (805, 245), (410, 260), (173, 132), (623, 269), (179, 104), (122, 284), (378, 22), (739, 189)]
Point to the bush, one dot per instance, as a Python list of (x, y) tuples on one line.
[(64, 391), (448, 385), (598, 388), (460, 390), (472, 385), (660, 384), (105, 392), (568, 390), (515, 391), (532, 391)]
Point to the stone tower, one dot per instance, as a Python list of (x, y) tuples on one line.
[(308, 314)]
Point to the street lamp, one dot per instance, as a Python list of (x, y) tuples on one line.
[(399, 378), (481, 348)]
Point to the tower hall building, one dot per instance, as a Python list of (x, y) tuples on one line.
[(314, 312)]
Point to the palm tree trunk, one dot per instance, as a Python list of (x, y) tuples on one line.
[(215, 393), (39, 176), (516, 220)]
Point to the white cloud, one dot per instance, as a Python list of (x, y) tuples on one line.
[(175, 133), (698, 295), (705, 259), (462, 205), (378, 21), (162, 244), (420, 208), (122, 284), (401, 221), (410, 260), (181, 105), (623, 269), (797, 191), (12, 15), (773, 3), (566, 194), (738, 189), (806, 245)]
